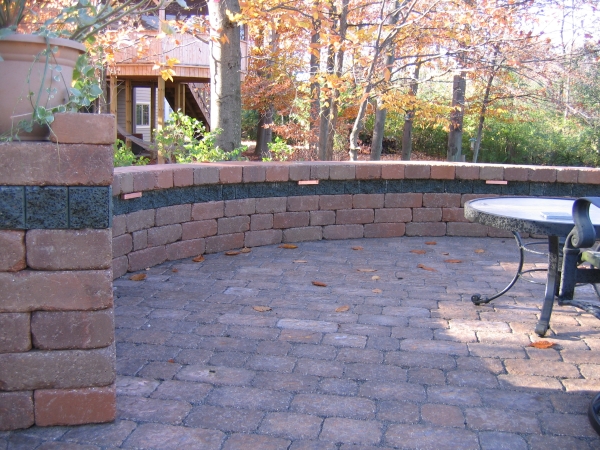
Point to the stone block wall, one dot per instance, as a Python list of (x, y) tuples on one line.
[(178, 211), (57, 355)]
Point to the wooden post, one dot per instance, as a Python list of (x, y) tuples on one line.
[(113, 100), (152, 111), (160, 119), (128, 111)]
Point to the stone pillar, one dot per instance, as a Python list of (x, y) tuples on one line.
[(57, 353)]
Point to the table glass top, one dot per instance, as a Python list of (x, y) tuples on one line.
[(531, 208)]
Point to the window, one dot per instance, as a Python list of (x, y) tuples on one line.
[(142, 115)]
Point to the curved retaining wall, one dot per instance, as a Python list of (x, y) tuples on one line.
[(177, 211)]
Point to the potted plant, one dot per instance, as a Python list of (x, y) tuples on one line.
[(36, 68)]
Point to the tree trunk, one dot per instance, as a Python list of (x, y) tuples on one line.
[(225, 68), (456, 117), (486, 101), (408, 119), (378, 130), (264, 133), (325, 127), (315, 88)]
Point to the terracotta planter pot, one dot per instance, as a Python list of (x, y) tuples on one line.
[(24, 69)]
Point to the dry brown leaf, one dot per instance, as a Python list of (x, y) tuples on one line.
[(445, 253), (479, 250), (418, 252), (300, 261), (175, 270), (358, 247), (232, 253), (430, 243), (377, 291), (424, 267), (319, 283), (453, 261), (198, 258), (245, 250), (366, 270), (542, 344), (262, 308), (138, 277), (290, 246), (342, 308), (171, 361), (375, 277)]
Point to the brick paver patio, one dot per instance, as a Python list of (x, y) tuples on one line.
[(391, 353)]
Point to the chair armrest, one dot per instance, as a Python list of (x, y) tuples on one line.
[(584, 234)]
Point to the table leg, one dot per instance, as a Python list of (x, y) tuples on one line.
[(551, 286)]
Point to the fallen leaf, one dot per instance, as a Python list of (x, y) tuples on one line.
[(175, 270), (342, 308), (542, 344), (377, 291), (430, 243), (290, 246), (300, 261), (319, 283), (358, 247), (418, 252), (366, 270), (479, 250), (232, 253), (198, 258), (262, 308), (375, 277), (245, 250), (171, 361), (138, 277), (453, 261), (445, 253), (424, 267)]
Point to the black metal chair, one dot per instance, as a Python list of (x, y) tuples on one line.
[(577, 252)]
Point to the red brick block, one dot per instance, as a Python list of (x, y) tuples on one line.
[(566, 174), (391, 171), (69, 249), (12, 256), (542, 174), (302, 234), (140, 220), (354, 216), (467, 172), (408, 200), (384, 230), (67, 330), (491, 172), (368, 171), (453, 215), (230, 174), (516, 173), (299, 171), (143, 180), (303, 203), (173, 214), (586, 176), (16, 410), (230, 225), (498, 233), (125, 177), (198, 229), (242, 207), (208, 210), (291, 219), (224, 242), (322, 218), (57, 369), (271, 205), (277, 172), (121, 245), (445, 171), (361, 201), (427, 214), (148, 257), (119, 225), (119, 267), (332, 202), (163, 177), (441, 200), (393, 215), (183, 176), (15, 332), (164, 235), (37, 163), (417, 171), (30, 290), (261, 222), (426, 229), (319, 171), (254, 173), (96, 129), (185, 249), (262, 237), (206, 174), (343, 231), (342, 171), (466, 197), (140, 240), (55, 407), (466, 229)]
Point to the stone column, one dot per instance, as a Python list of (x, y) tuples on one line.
[(57, 354)]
